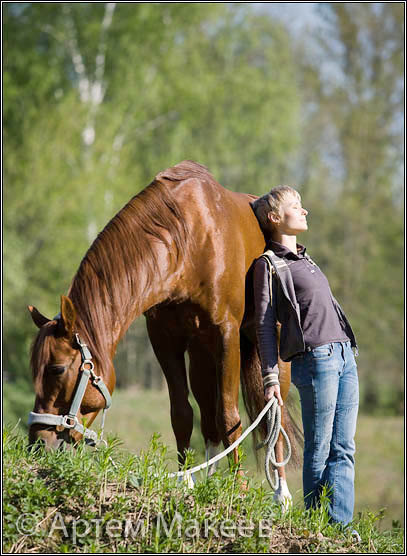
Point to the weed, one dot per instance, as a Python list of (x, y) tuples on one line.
[(108, 500)]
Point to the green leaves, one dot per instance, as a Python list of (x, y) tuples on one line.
[(98, 101)]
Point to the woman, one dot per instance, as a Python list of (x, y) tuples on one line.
[(317, 338)]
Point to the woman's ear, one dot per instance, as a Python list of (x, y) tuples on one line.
[(273, 218)]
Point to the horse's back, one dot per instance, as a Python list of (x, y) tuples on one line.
[(213, 211), (225, 239)]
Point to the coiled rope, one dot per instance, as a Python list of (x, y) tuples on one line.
[(273, 430), (273, 411)]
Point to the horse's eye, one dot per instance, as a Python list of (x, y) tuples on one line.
[(55, 369)]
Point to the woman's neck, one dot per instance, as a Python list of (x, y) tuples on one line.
[(288, 241)]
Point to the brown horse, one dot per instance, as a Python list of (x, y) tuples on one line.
[(181, 252)]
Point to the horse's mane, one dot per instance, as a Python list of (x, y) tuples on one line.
[(106, 286)]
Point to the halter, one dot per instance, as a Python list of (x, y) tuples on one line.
[(70, 421)]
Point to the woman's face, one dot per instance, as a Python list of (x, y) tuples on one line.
[(293, 217)]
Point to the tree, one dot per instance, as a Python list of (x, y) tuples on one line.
[(106, 97), (352, 164)]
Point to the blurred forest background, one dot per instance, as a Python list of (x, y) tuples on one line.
[(100, 97)]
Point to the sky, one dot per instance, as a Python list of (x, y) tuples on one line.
[(297, 15)]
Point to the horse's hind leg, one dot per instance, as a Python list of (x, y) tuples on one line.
[(202, 376), (228, 378), (170, 350)]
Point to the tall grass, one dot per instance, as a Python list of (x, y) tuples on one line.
[(136, 414), (108, 500)]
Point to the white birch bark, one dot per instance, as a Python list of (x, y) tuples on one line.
[(91, 89)]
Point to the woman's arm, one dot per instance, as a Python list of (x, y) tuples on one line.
[(266, 321)]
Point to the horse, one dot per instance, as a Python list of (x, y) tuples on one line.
[(181, 252)]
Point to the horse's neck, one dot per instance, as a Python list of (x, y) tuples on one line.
[(135, 263), (155, 290), (109, 321)]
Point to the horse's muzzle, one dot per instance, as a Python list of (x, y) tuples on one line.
[(47, 438)]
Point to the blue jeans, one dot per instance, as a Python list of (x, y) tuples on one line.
[(327, 381)]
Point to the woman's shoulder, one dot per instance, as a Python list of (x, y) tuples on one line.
[(261, 261), (261, 266)]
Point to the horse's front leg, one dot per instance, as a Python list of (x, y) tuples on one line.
[(169, 349), (282, 495)]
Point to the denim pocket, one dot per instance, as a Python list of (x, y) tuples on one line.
[(322, 352)]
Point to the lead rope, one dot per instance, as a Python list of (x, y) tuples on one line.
[(274, 428), (102, 427)]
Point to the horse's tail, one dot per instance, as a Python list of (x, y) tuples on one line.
[(253, 398)]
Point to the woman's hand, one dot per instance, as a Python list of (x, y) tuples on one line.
[(273, 391)]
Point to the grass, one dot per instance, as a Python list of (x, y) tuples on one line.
[(85, 484), (136, 415), (109, 500)]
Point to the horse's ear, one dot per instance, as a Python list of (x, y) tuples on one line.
[(38, 318), (68, 315)]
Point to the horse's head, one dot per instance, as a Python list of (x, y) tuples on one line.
[(58, 362)]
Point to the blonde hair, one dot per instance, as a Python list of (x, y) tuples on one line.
[(271, 202)]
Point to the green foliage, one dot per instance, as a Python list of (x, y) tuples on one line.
[(18, 401), (107, 500), (127, 97), (379, 449), (353, 168), (98, 100)]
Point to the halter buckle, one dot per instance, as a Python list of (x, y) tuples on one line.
[(95, 378), (87, 365), (66, 421)]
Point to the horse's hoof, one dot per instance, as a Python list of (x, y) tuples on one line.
[(188, 479), (282, 496), (243, 483), (284, 501)]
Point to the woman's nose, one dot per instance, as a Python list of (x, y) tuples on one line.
[(305, 211)]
